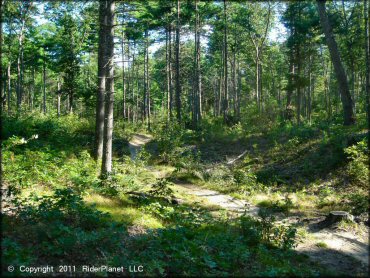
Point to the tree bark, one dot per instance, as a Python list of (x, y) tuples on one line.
[(146, 101), (99, 120), (197, 73), (58, 99), (170, 66), (123, 77), (44, 85), (9, 88), (177, 54), (347, 103), (109, 98), (168, 72), (226, 93), (298, 82), (20, 65), (367, 59), (1, 94), (309, 104)]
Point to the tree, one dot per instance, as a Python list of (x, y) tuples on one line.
[(226, 93), (109, 86), (367, 59), (197, 95), (102, 64), (349, 118), (177, 65), (2, 98), (258, 41)]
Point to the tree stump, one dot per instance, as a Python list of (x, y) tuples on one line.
[(176, 201), (335, 217)]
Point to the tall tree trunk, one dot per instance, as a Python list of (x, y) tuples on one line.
[(347, 103), (1, 94), (260, 81), (146, 82), (299, 92), (290, 88), (309, 104), (197, 72), (100, 96), (128, 82), (168, 72), (257, 81), (367, 59), (44, 87), (145, 91), (71, 102), (9, 88), (58, 99), (177, 53), (123, 77), (234, 85), (170, 66), (238, 95), (226, 93), (109, 98), (19, 65), (32, 89)]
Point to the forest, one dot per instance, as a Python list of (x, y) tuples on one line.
[(184, 138)]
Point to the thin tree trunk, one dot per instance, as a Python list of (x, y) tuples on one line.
[(238, 95), (32, 90), (100, 96), (109, 98), (9, 88), (19, 66), (226, 93), (145, 92), (197, 73), (170, 65), (146, 82), (58, 99), (290, 80), (123, 77), (260, 81), (177, 53), (44, 87), (347, 103), (168, 73), (1, 94), (234, 85), (299, 92), (309, 92), (367, 59), (71, 102)]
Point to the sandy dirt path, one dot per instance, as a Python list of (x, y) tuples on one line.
[(346, 253)]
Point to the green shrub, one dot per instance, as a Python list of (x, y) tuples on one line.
[(358, 166), (358, 202), (246, 180), (161, 189), (264, 230), (64, 228)]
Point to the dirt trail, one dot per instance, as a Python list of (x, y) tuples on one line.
[(136, 142), (344, 252)]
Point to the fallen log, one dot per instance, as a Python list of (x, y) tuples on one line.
[(237, 158)]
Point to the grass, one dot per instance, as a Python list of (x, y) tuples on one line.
[(192, 238), (321, 245), (123, 211)]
